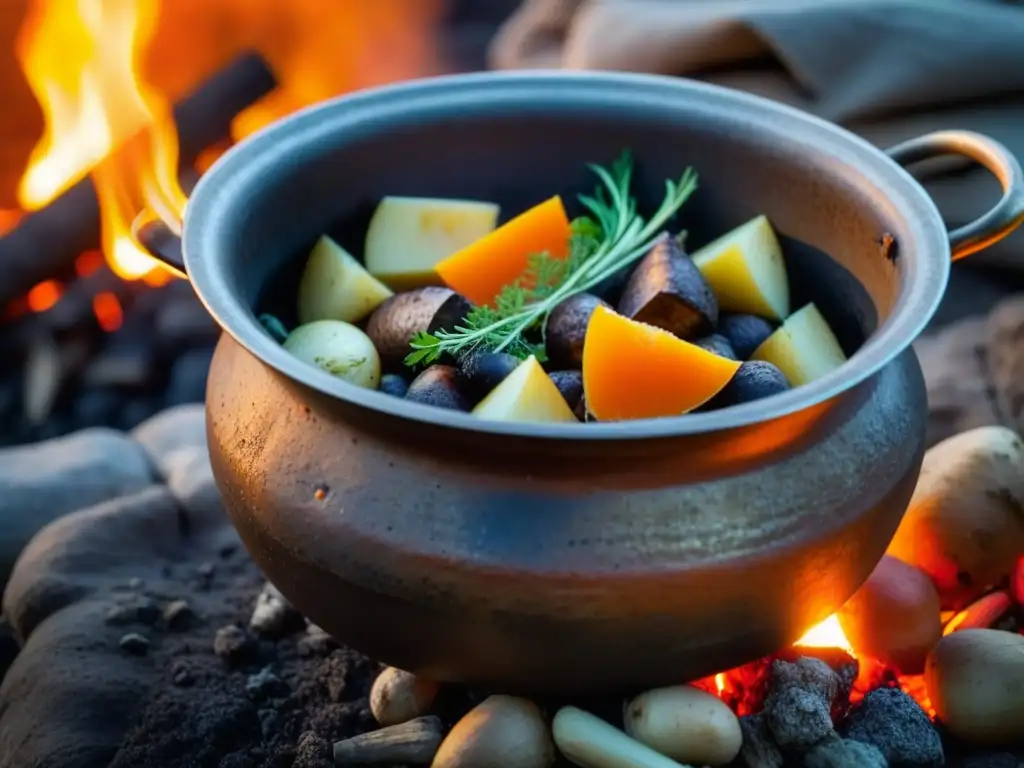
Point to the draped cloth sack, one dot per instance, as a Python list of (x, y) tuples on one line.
[(887, 70)]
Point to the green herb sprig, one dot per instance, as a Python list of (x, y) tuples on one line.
[(612, 238)]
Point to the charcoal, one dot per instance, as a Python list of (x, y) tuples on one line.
[(893, 722), (187, 382), (844, 753), (759, 749), (798, 708)]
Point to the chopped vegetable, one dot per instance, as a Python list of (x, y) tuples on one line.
[(481, 270), (625, 237), (636, 371), (754, 380), (803, 348), (481, 372), (718, 344), (394, 385), (339, 348), (745, 270), (408, 236), (745, 332), (667, 291), (335, 286), (399, 319), (528, 394), (437, 386), (567, 328), (570, 384)]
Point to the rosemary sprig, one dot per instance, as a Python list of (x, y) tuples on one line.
[(612, 238)]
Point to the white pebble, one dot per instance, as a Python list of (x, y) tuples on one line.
[(590, 742), (686, 724), (398, 696)]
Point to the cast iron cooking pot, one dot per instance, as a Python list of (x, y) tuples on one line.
[(564, 558)]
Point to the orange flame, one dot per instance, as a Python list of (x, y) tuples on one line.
[(82, 60), (827, 634)]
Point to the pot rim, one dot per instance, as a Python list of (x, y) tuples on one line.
[(924, 261)]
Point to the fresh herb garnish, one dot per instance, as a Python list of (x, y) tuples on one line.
[(612, 238)]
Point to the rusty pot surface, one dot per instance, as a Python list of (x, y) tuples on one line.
[(566, 558)]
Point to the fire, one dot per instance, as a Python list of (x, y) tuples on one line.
[(82, 60), (827, 634)]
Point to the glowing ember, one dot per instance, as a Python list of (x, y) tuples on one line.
[(108, 311), (81, 59), (44, 295)]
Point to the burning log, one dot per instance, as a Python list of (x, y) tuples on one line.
[(45, 242)]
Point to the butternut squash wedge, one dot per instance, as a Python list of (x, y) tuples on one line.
[(480, 270), (636, 371)]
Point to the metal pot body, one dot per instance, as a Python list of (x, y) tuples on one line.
[(562, 567), (572, 557)]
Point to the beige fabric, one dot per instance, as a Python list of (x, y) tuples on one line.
[(887, 69)]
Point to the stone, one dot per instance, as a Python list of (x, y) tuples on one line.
[(42, 482), (316, 642), (685, 723), (231, 643), (72, 693), (844, 753), (398, 696), (187, 383), (178, 615), (798, 707), (591, 742), (892, 721), (273, 614), (759, 749), (171, 430), (134, 643), (501, 730), (265, 685)]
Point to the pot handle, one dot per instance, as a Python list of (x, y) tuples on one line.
[(1006, 215), (160, 241)]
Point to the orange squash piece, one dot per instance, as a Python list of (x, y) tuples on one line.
[(636, 371), (480, 270)]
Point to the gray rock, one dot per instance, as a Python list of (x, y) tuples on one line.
[(171, 430), (190, 479), (265, 685), (759, 749), (273, 614), (45, 481), (134, 643), (178, 615), (844, 753), (798, 708), (231, 642), (72, 694), (317, 642), (893, 722)]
